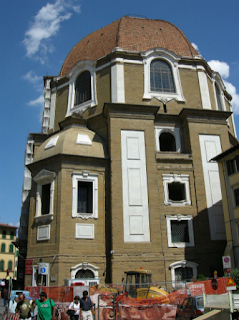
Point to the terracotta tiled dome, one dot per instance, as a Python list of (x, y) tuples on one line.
[(128, 33)]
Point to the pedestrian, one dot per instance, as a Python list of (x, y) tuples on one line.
[(75, 306), (24, 307), (13, 304), (46, 307), (86, 307)]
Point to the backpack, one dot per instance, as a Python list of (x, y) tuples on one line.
[(57, 311)]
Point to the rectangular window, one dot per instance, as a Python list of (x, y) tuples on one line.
[(45, 199), (85, 193), (231, 167), (179, 231), (236, 195)]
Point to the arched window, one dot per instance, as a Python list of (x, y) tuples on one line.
[(1, 265), (83, 88), (9, 265), (83, 274), (183, 274), (218, 95), (4, 234), (12, 235), (167, 142), (11, 248), (3, 247), (161, 78)]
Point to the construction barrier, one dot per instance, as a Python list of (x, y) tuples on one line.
[(111, 302)]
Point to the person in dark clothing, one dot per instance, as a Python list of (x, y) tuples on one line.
[(86, 307)]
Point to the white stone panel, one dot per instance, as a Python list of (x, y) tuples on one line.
[(43, 233), (117, 81), (210, 146), (84, 231), (136, 225), (134, 187), (83, 139), (135, 190), (203, 85)]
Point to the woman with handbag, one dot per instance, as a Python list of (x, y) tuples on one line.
[(74, 309)]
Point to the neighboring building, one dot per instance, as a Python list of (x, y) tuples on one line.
[(229, 175), (121, 173), (8, 252)]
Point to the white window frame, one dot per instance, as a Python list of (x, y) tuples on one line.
[(179, 217), (216, 78), (85, 176), (84, 265), (42, 178), (82, 66), (181, 178), (182, 264), (174, 131), (172, 60)]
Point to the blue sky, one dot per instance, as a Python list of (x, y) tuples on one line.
[(37, 35)]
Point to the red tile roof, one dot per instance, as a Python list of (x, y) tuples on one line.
[(128, 33), (7, 226)]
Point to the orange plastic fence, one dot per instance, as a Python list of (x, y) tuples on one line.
[(60, 294), (108, 306)]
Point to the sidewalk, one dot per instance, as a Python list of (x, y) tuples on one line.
[(2, 309)]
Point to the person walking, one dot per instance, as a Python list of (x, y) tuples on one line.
[(13, 304), (86, 307), (75, 306), (24, 307), (46, 307)]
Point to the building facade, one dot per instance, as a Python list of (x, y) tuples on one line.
[(228, 162), (120, 176), (8, 253)]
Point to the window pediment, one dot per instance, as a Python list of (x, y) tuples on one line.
[(44, 177)]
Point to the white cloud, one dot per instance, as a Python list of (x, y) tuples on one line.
[(46, 24), (37, 102), (32, 77), (195, 46), (17, 224), (235, 96), (221, 67), (10, 224)]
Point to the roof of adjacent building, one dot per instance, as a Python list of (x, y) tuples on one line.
[(226, 153), (7, 226), (129, 34)]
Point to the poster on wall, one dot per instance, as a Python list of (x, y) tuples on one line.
[(28, 266)]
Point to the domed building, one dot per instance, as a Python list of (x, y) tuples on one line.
[(120, 176)]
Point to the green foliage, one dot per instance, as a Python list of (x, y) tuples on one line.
[(235, 277), (201, 277)]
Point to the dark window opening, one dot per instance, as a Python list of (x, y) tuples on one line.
[(231, 167), (83, 88), (167, 142), (4, 234), (183, 274), (45, 201), (236, 194), (179, 231), (10, 265), (84, 274), (11, 248), (3, 247), (85, 197), (161, 78), (219, 103), (176, 191), (12, 235), (1, 265)]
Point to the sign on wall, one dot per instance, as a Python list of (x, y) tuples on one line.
[(28, 266), (226, 260), (43, 268)]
